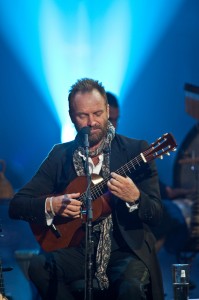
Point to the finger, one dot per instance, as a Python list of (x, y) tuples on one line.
[(65, 198), (114, 183), (118, 177), (71, 203), (123, 181), (70, 213), (73, 195), (65, 201), (69, 197), (115, 175), (72, 208)]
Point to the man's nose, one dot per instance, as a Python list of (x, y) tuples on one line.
[(91, 121)]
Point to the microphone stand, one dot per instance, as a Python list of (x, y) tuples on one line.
[(89, 250)]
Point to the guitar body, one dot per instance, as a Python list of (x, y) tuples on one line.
[(71, 230)]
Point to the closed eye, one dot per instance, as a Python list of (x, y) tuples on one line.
[(98, 113)]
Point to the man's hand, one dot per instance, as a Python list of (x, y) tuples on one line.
[(65, 205), (123, 187)]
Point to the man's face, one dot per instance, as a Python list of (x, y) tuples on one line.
[(90, 109)]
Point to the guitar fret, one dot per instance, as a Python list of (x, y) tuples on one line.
[(129, 170), (99, 192), (132, 165), (94, 195), (137, 161), (100, 188), (123, 170), (82, 196)]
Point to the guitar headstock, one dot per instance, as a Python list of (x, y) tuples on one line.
[(161, 146)]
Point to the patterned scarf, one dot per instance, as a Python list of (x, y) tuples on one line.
[(105, 226)]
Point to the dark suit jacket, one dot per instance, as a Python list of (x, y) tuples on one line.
[(57, 171)]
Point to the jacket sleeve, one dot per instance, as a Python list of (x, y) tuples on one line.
[(29, 202), (150, 204), (145, 176)]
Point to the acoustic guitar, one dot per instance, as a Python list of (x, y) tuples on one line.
[(66, 232)]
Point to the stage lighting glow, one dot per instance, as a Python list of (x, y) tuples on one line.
[(78, 45), (61, 41)]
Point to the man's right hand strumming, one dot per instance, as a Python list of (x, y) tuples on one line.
[(64, 205)]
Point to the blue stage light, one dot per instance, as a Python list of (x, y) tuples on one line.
[(61, 41)]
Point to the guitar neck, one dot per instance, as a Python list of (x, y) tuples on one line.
[(161, 146)]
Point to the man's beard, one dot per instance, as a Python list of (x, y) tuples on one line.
[(96, 137)]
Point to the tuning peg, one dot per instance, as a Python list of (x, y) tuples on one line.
[(161, 156), (168, 153)]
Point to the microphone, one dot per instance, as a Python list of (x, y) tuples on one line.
[(84, 133)]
